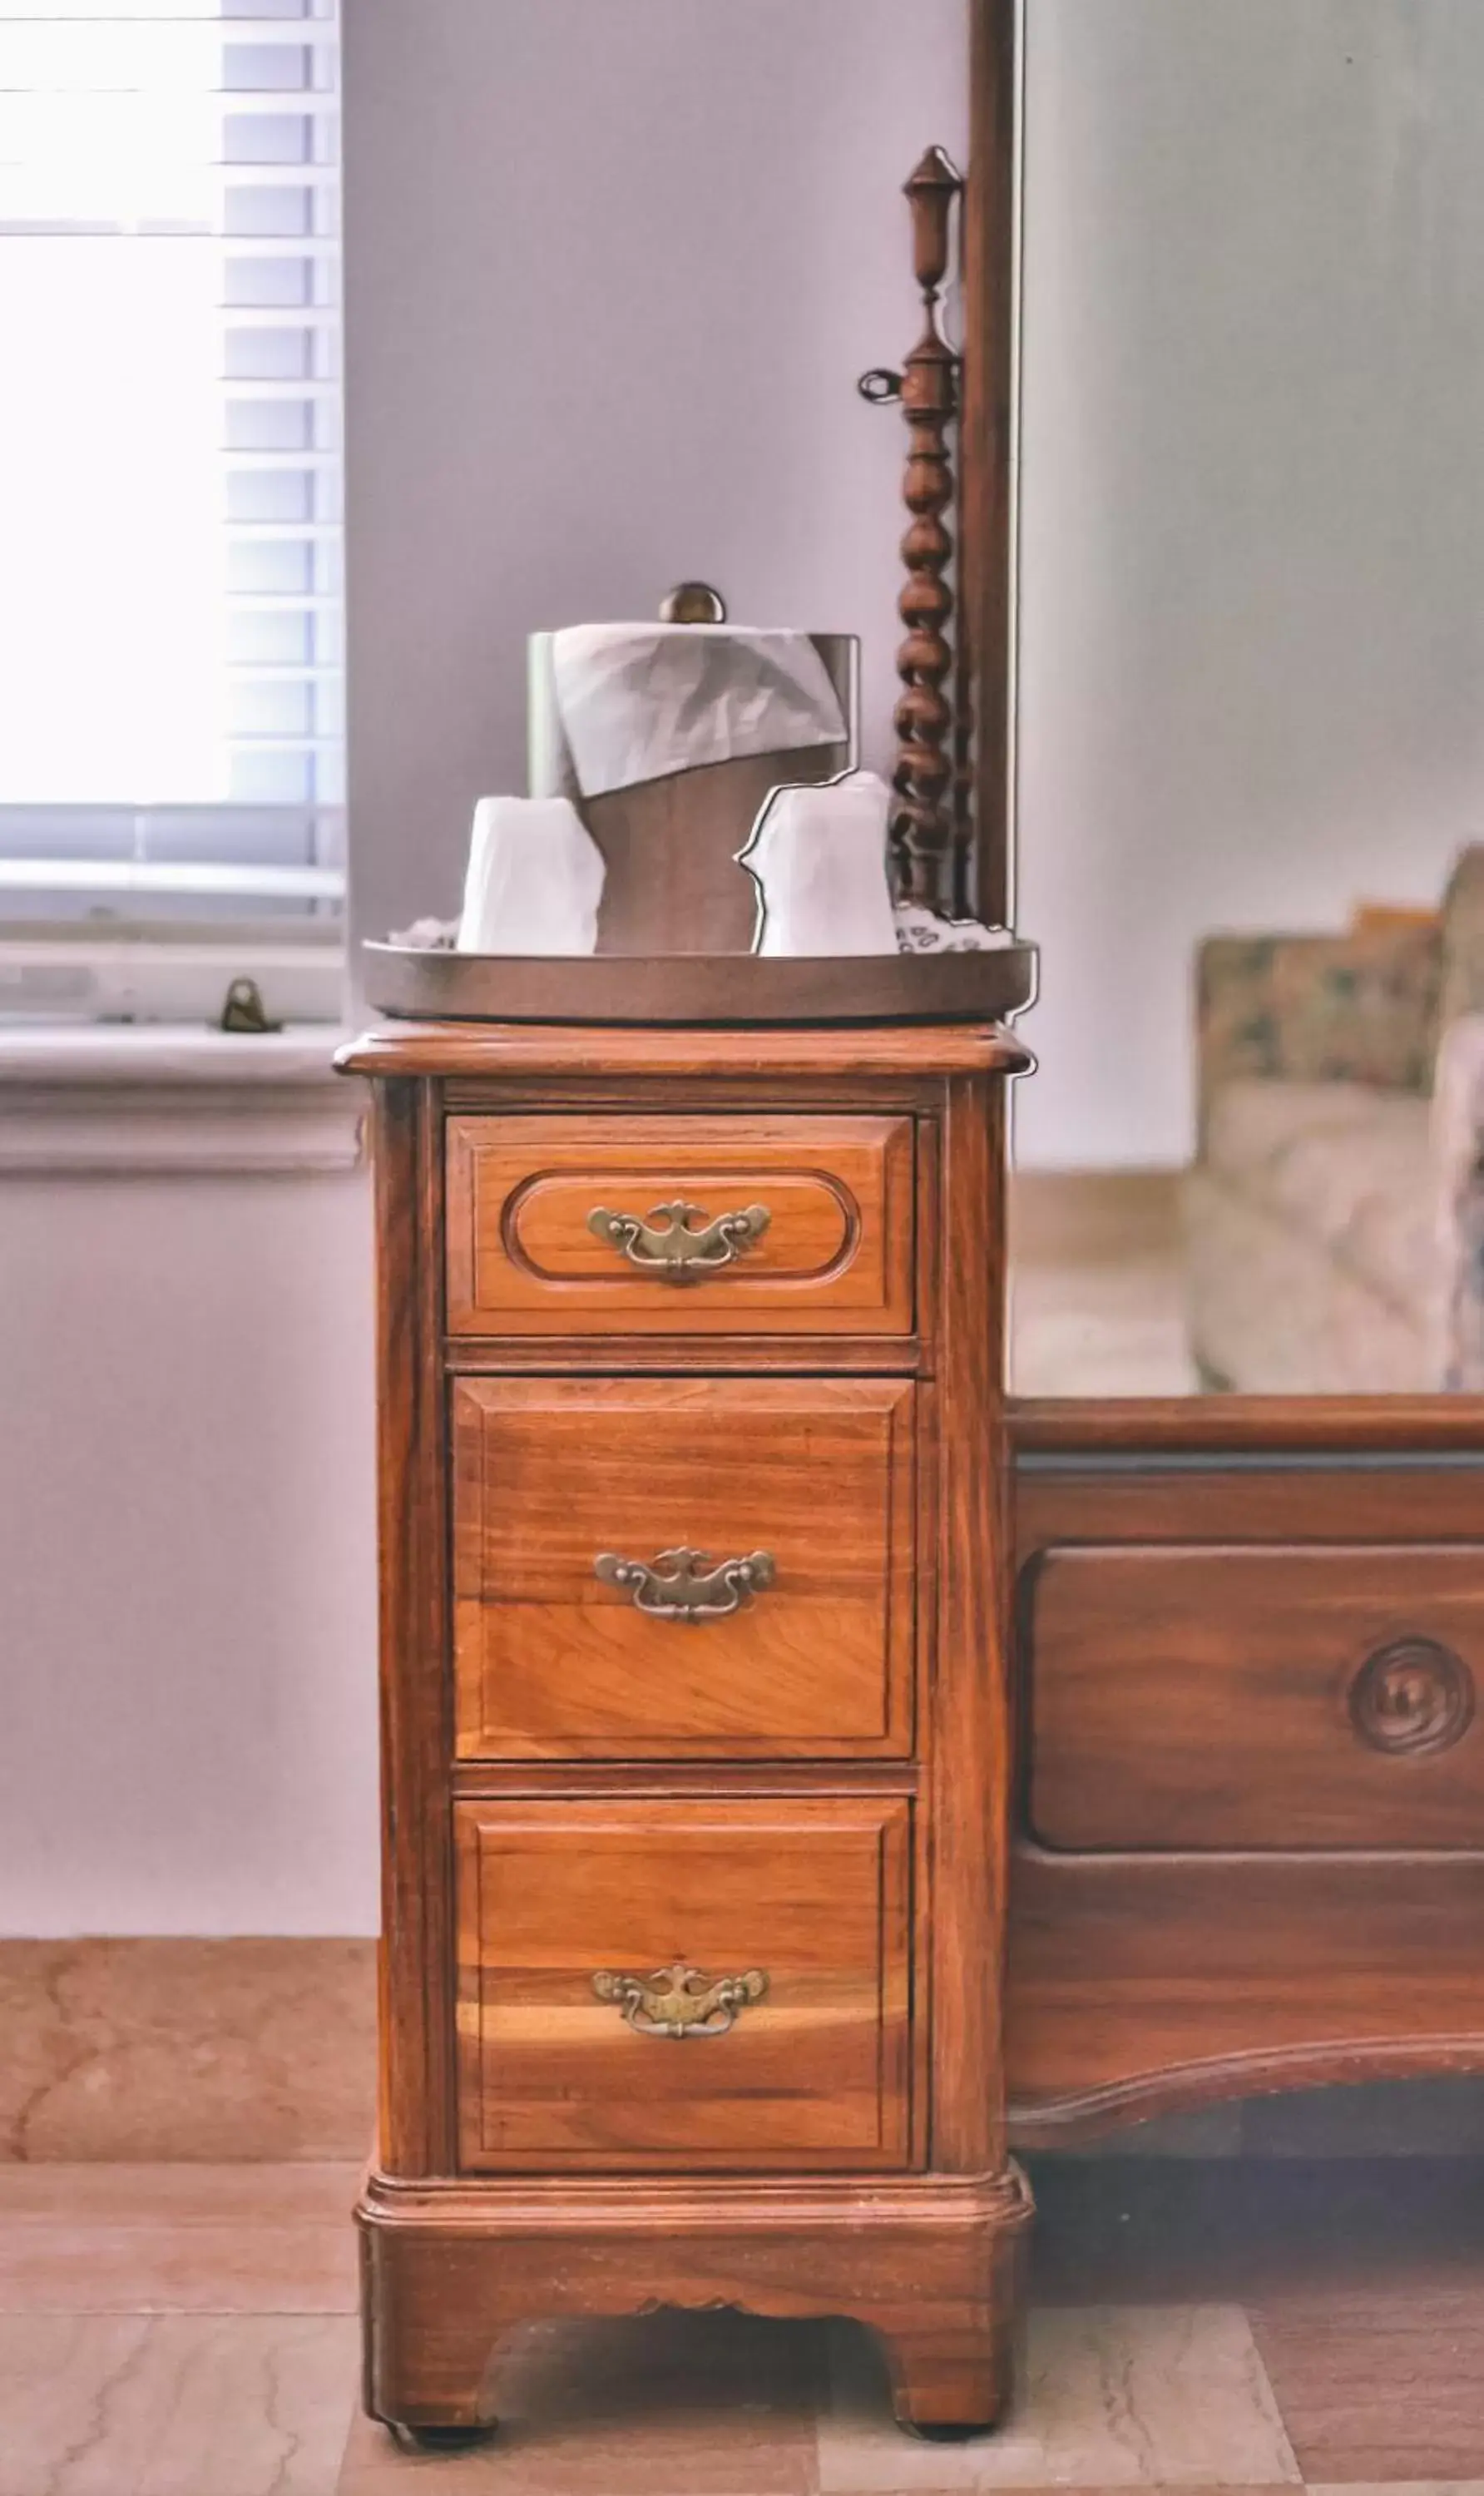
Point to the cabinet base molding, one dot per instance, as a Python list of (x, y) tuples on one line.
[(928, 2262)]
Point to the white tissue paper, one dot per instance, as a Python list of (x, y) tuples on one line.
[(639, 702), (534, 879), (817, 853)]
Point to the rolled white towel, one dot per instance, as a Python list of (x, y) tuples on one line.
[(534, 882), (818, 855)]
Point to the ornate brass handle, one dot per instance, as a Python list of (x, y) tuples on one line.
[(676, 1252), (679, 2001), (682, 1585)]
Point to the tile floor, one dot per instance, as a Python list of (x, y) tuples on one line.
[(189, 2332)]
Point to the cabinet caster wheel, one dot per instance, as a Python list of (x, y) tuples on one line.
[(439, 2439), (948, 2434)]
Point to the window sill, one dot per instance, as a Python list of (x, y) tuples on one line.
[(166, 1099)]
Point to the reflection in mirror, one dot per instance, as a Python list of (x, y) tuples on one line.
[(1250, 723)]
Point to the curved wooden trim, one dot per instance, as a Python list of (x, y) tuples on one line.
[(1051, 2122), (1245, 1426), (697, 991), (499, 1049)]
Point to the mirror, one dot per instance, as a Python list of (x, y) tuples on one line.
[(1249, 776)]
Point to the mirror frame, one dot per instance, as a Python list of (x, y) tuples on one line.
[(986, 588)]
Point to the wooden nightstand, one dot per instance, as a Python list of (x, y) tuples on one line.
[(694, 1698)]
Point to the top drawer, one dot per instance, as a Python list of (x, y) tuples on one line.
[(1229, 1696), (666, 1226)]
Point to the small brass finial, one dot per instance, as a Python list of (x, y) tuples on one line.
[(694, 602)]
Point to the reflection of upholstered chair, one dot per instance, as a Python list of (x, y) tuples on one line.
[(1334, 1216)]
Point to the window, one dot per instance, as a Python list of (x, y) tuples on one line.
[(171, 747)]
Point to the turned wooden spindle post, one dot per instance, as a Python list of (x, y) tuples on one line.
[(923, 817)]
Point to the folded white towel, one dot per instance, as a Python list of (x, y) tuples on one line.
[(534, 879), (639, 702), (818, 855)]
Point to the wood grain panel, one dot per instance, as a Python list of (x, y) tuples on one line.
[(836, 1256), (415, 2084), (1305, 1499), (552, 1662), (1212, 1697), (969, 1764), (814, 1053), (1142, 1983), (813, 1891), (1162, 1427)]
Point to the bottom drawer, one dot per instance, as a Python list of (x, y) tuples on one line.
[(684, 1984)]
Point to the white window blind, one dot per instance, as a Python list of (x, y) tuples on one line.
[(171, 608)]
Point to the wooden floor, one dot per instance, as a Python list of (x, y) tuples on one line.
[(1239, 2325)]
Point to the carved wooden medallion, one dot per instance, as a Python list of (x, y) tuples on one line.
[(1412, 1695)]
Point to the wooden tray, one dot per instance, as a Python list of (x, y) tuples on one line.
[(427, 985)]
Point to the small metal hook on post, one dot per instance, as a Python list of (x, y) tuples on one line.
[(880, 387)]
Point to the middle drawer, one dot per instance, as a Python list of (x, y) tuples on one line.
[(660, 1567)]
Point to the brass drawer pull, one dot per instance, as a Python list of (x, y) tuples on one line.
[(682, 1585), (679, 2001), (676, 1252)]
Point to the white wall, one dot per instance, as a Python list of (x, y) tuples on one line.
[(613, 267), (187, 1556), (1253, 549)]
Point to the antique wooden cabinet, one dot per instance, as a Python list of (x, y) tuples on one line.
[(697, 1763)]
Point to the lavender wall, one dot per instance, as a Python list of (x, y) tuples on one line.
[(612, 268), (187, 1556)]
